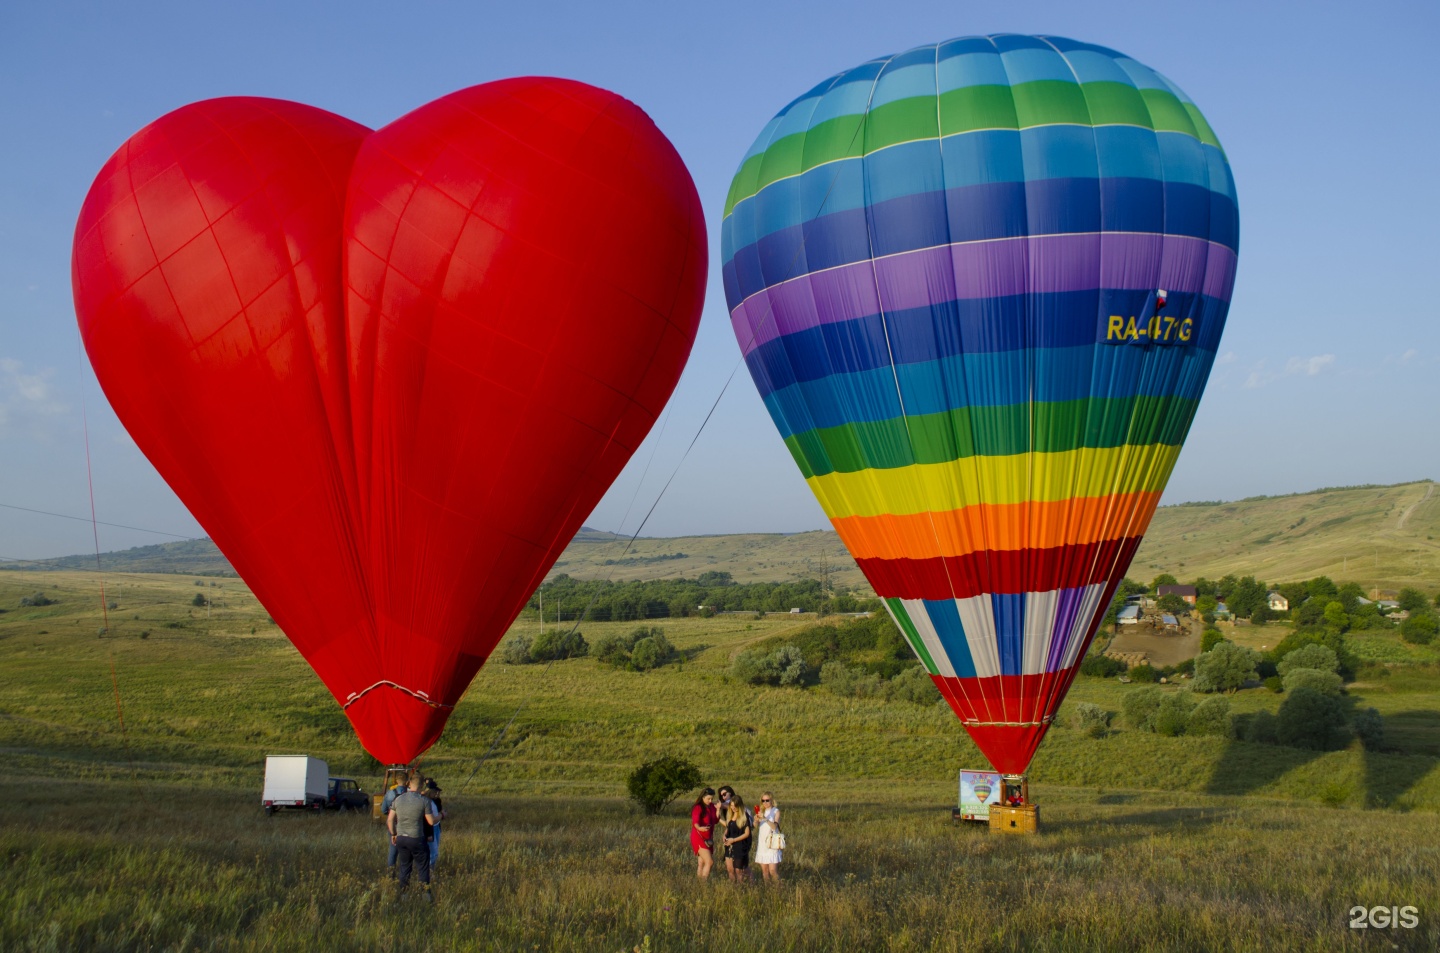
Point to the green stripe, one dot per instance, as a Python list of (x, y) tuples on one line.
[(1023, 106), (1095, 423), (907, 629)]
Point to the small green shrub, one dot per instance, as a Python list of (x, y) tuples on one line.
[(555, 644), (1210, 638), (1225, 668), (1310, 719), (913, 685), (1260, 728), (1211, 717), (1143, 673), (1326, 683), (1419, 629), (1173, 716), (38, 599), (1140, 706), (656, 783), (1093, 720), (1314, 656), (1275, 683), (516, 650), (199, 600)]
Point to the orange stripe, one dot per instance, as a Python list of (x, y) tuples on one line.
[(1007, 526)]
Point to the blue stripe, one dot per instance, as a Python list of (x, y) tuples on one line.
[(975, 326), (1009, 609), (977, 213), (990, 380), (945, 618)]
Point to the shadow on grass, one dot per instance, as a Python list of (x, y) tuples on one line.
[(1389, 775), (1245, 767)]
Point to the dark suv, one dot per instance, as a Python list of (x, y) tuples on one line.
[(345, 795)]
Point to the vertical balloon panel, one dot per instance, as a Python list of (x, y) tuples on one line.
[(979, 286)]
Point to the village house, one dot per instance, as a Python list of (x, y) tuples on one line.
[(1277, 602), (1130, 615), (1184, 592)]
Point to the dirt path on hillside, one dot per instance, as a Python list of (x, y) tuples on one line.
[(1411, 508)]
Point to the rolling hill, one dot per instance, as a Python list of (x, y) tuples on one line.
[(1380, 536)]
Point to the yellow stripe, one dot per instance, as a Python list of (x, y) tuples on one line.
[(996, 481)]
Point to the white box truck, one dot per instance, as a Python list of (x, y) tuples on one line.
[(295, 780)]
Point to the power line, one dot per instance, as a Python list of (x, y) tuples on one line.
[(86, 519)]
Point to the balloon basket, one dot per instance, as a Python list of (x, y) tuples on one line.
[(394, 774), (1024, 819)]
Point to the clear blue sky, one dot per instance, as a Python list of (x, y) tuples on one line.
[(1330, 366)]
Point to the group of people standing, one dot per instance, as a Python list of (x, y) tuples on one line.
[(413, 812), (740, 831)]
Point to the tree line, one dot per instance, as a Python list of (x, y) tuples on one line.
[(598, 600)]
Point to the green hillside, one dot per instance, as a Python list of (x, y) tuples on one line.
[(1379, 536)]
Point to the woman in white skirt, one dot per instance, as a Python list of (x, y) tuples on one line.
[(766, 856)]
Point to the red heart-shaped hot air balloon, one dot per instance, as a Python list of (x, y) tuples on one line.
[(391, 372)]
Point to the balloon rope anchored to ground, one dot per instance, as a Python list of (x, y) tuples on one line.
[(979, 286), (390, 372)]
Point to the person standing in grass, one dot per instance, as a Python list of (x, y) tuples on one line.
[(703, 817), (397, 789), (432, 832), (738, 831), (767, 856), (406, 823)]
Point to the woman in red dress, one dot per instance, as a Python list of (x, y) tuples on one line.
[(703, 817)]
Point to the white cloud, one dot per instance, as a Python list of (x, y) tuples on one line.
[(1309, 366), (1409, 356), (26, 397), (1229, 357)]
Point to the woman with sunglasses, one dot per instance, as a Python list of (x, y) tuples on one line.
[(703, 817), (766, 856)]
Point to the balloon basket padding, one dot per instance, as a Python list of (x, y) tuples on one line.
[(1023, 819)]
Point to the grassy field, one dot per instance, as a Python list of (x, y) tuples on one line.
[(153, 839)]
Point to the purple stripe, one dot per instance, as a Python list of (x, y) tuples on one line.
[(998, 267), (1065, 612)]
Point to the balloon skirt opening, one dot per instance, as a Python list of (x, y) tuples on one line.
[(395, 726)]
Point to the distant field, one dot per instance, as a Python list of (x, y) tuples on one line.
[(153, 839), (1380, 537)]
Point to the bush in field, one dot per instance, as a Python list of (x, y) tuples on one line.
[(1315, 635), (1210, 717), (1101, 666), (1309, 719), (1187, 667), (517, 651), (199, 600), (1419, 629), (1326, 683), (1314, 656), (640, 650), (914, 686), (1093, 720), (1143, 673), (1369, 728), (1225, 668), (1141, 705), (785, 666), (1275, 683), (656, 783), (1173, 716), (553, 644), (38, 599), (1209, 639), (790, 663)]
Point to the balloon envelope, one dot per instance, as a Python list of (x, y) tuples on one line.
[(979, 286), (390, 372)]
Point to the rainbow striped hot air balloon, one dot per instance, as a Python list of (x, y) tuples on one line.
[(980, 285)]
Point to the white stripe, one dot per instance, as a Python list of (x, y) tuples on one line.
[(1040, 609), (977, 617), (1089, 604), (915, 609)]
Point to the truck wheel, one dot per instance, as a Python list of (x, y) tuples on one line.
[(269, 810)]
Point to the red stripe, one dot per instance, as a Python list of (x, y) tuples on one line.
[(1006, 715), (1006, 571)]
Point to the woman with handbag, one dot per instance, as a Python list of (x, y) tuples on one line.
[(738, 835), (703, 817), (771, 841)]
